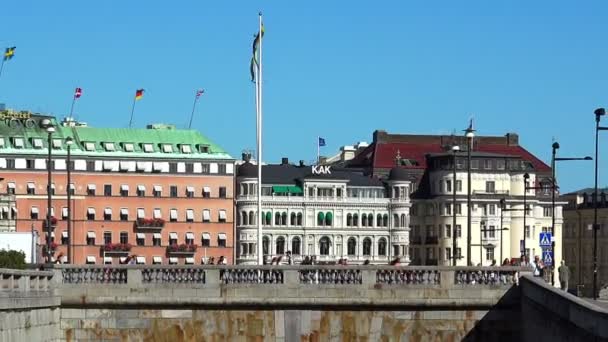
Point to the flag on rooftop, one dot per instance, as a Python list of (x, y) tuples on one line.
[(77, 93), (9, 53), (199, 93), (321, 141), (139, 93)]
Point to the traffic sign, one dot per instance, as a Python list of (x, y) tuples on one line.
[(545, 239), (547, 257)]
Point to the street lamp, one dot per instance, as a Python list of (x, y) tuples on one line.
[(455, 150), (469, 134), (598, 115), (523, 243), (554, 188), (50, 129), (69, 142)]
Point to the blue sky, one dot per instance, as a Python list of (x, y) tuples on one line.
[(538, 68)]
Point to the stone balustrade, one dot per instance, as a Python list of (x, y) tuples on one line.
[(24, 280)]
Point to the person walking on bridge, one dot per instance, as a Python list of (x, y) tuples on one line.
[(564, 275)]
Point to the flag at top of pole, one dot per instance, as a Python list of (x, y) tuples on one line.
[(77, 93), (9, 53), (139, 94), (321, 142), (199, 93)]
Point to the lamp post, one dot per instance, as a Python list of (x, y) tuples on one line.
[(50, 129), (523, 243), (68, 142), (455, 150), (469, 134), (598, 115), (554, 188)]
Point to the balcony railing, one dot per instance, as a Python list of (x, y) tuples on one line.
[(183, 249), (384, 200), (116, 248), (490, 192), (146, 223)]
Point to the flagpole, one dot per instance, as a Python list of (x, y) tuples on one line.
[(2, 66), (72, 107), (193, 108), (132, 110), (318, 150), (259, 119)]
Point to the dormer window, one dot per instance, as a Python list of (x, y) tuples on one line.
[(1, 142), (167, 148), (203, 148), (37, 143), (18, 142), (56, 143), (186, 149), (148, 148), (128, 147), (89, 146), (109, 146)]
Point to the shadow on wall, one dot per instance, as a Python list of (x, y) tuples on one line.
[(502, 322)]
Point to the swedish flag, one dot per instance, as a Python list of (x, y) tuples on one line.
[(9, 53)]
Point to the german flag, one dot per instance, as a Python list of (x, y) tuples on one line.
[(9, 53), (139, 93)]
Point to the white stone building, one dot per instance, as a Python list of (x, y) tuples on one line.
[(331, 214)]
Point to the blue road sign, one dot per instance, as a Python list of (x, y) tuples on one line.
[(548, 257), (545, 240)]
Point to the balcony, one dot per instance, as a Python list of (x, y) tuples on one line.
[(149, 223), (116, 248), (432, 240), (490, 192), (183, 249)]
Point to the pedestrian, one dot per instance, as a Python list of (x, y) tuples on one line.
[(536, 267), (564, 275), (506, 262)]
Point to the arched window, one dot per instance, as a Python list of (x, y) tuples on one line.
[(268, 218), (379, 220), (396, 220), (364, 220), (299, 219), (351, 248), (382, 247), (292, 220), (324, 244), (320, 219), (403, 221), (280, 245), (265, 245), (252, 218), (328, 218), (263, 218), (244, 218), (370, 220), (295, 246), (367, 246), (349, 220), (284, 219), (244, 189), (385, 220), (277, 219), (356, 220), (252, 189)]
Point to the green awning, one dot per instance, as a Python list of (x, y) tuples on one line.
[(285, 189), (321, 216), (329, 216), (269, 216)]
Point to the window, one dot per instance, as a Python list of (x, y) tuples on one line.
[(500, 164), (527, 232), (156, 239), (448, 231), (206, 240), (492, 209), (148, 148), (10, 188), (173, 215), (458, 185), (487, 164), (72, 189), (221, 240), (458, 253), (367, 247), (280, 245), (107, 214), (157, 214), (489, 253), (18, 142), (107, 190), (65, 238), (33, 214), (37, 142), (296, 244), (91, 189), (206, 192), (206, 215), (189, 215), (448, 186), (124, 214), (382, 247), (158, 191), (324, 245), (109, 146), (547, 212), (222, 192), (140, 239), (31, 188), (351, 248), (124, 237), (222, 169), (490, 187), (458, 231), (173, 191), (91, 214), (141, 191), (186, 148), (124, 190), (189, 238), (448, 209), (222, 216), (167, 148), (89, 146), (528, 208), (91, 238), (458, 209), (107, 238), (173, 238), (53, 189), (492, 232), (141, 213), (128, 147), (475, 164), (448, 254)]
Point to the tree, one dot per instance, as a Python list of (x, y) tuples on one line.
[(12, 259)]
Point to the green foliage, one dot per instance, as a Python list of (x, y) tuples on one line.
[(12, 259)]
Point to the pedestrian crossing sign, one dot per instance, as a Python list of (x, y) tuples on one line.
[(545, 239), (548, 257)]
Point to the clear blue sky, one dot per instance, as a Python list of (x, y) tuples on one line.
[(340, 71)]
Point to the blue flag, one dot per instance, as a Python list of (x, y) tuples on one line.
[(321, 142)]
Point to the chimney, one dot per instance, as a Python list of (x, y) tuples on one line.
[(512, 139), (246, 156), (380, 135), (301, 163), (284, 161)]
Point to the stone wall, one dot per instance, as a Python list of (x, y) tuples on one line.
[(286, 325), (28, 309)]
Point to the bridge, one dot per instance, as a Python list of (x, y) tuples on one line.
[(290, 303)]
